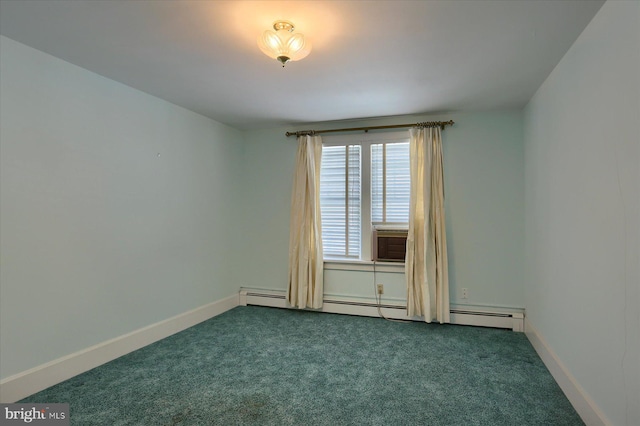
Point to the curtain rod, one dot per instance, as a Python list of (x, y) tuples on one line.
[(440, 124)]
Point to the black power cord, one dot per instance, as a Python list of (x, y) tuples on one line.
[(379, 298)]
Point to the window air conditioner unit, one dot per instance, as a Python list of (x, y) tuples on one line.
[(389, 245)]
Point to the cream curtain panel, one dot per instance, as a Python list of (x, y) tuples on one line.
[(426, 266), (305, 233)]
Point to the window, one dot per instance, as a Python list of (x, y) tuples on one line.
[(390, 183), (340, 201), (364, 184)]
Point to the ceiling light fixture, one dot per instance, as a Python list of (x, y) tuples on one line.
[(282, 44)]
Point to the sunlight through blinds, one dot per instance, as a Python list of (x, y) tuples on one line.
[(340, 201), (390, 183)]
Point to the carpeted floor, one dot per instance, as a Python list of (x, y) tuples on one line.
[(266, 366)]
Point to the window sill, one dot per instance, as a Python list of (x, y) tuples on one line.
[(363, 265)]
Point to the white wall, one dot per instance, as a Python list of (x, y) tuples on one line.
[(113, 206), (582, 218), (484, 189)]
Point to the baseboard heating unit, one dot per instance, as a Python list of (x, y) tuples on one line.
[(462, 315)]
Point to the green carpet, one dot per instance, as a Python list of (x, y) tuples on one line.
[(266, 366)]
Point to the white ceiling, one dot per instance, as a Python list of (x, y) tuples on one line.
[(369, 58)]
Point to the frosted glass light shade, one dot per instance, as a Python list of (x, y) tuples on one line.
[(282, 44)]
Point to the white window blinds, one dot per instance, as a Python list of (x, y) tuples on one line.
[(340, 201), (390, 183)]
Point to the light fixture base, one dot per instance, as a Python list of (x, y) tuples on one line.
[(283, 25), (283, 59)]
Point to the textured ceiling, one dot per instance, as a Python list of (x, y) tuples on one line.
[(370, 58)]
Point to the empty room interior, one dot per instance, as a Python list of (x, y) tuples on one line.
[(318, 212)]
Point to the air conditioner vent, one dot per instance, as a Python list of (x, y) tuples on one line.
[(389, 245)]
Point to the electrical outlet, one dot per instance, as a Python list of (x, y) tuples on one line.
[(380, 288), (465, 293)]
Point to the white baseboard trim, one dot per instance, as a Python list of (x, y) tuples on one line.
[(28, 382), (483, 317), (583, 404)]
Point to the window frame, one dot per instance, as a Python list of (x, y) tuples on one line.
[(366, 226)]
